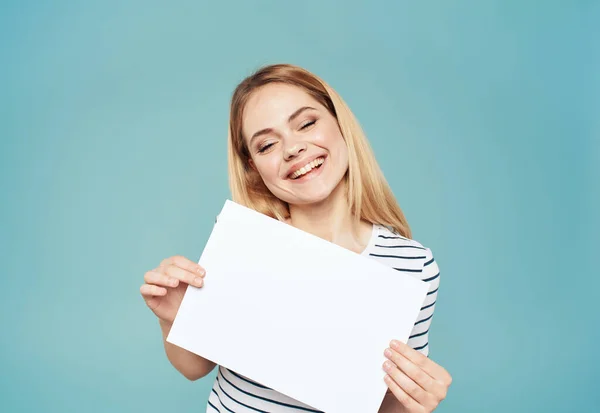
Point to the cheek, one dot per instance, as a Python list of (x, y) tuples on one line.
[(330, 136), (268, 168), (336, 145)]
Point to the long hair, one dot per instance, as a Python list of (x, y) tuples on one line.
[(369, 195)]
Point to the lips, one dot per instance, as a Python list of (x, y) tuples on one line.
[(306, 167)]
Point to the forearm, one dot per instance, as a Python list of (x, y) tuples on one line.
[(191, 365)]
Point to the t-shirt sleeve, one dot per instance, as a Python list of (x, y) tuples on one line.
[(419, 336)]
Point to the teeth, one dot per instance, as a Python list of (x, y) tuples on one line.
[(307, 168)]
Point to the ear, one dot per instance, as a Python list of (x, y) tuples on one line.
[(251, 163)]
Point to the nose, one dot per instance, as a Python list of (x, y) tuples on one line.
[(294, 150)]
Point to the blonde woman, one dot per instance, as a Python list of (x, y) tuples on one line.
[(297, 154)]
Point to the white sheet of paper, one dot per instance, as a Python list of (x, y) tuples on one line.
[(296, 313)]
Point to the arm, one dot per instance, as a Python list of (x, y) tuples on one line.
[(419, 336), (415, 382), (191, 365)]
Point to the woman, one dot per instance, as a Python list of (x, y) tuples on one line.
[(297, 154)]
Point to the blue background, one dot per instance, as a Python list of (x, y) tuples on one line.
[(484, 116)]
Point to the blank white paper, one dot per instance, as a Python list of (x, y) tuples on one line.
[(296, 313)]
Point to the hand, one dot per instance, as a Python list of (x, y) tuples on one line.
[(165, 285), (415, 383)]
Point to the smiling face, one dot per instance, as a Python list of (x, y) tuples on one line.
[(295, 144)]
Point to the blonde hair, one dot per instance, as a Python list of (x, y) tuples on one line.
[(369, 195)]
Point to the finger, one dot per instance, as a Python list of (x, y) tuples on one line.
[(153, 303), (414, 372), (157, 278), (184, 264), (149, 291), (186, 276), (415, 391), (432, 369), (403, 397)]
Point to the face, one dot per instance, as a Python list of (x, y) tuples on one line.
[(295, 144)]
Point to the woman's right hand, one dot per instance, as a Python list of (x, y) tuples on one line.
[(165, 285)]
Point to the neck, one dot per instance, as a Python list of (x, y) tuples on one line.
[(332, 220)]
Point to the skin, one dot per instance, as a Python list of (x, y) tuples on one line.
[(317, 205), (277, 141)]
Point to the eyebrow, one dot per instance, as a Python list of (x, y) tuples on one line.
[(290, 119)]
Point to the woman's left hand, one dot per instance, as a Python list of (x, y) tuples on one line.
[(415, 383)]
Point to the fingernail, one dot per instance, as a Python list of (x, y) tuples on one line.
[(395, 344), (388, 352), (200, 271), (198, 281)]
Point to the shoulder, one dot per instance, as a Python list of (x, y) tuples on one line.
[(385, 236), (403, 254)]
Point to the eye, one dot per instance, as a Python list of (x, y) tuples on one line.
[(308, 124), (263, 148)]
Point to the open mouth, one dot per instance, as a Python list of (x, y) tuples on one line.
[(308, 169)]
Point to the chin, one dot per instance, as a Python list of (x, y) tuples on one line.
[(314, 196)]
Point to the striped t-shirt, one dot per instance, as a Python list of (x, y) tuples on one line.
[(233, 392)]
